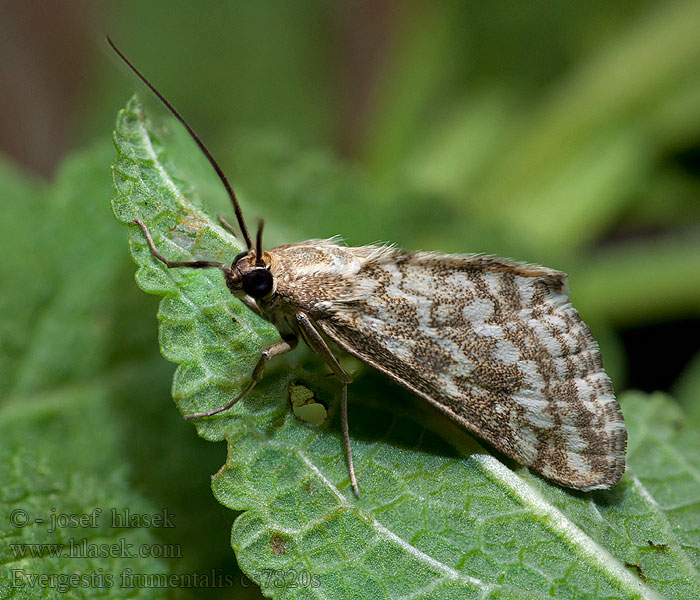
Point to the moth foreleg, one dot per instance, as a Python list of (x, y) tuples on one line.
[(318, 345), (274, 350), (227, 226), (193, 264)]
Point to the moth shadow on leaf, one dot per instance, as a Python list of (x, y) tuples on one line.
[(382, 411)]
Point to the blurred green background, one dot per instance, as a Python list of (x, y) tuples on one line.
[(565, 133)]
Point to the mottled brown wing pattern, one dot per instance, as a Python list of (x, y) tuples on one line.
[(494, 344)]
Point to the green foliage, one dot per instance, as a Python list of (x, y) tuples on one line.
[(550, 132), (79, 373), (38, 489), (54, 408), (438, 516)]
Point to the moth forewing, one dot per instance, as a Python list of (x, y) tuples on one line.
[(494, 344)]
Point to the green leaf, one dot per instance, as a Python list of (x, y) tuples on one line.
[(63, 450), (38, 491), (84, 419), (438, 517), (663, 478)]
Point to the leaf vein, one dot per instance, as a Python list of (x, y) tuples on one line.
[(415, 552)]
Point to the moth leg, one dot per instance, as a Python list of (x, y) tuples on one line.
[(318, 345), (226, 225), (276, 349), (194, 264), (346, 438)]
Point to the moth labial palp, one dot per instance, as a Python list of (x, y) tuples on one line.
[(494, 344)]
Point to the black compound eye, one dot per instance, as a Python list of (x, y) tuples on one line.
[(257, 283), (239, 257)]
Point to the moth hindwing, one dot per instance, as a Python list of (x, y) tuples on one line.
[(494, 344)]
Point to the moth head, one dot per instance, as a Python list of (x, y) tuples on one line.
[(250, 272), (252, 268), (250, 277)]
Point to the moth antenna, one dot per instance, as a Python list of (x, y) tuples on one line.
[(258, 245), (196, 138)]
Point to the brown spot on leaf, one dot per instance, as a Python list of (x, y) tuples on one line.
[(658, 547), (277, 544), (637, 567)]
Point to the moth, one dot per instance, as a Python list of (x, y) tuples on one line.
[(493, 343)]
